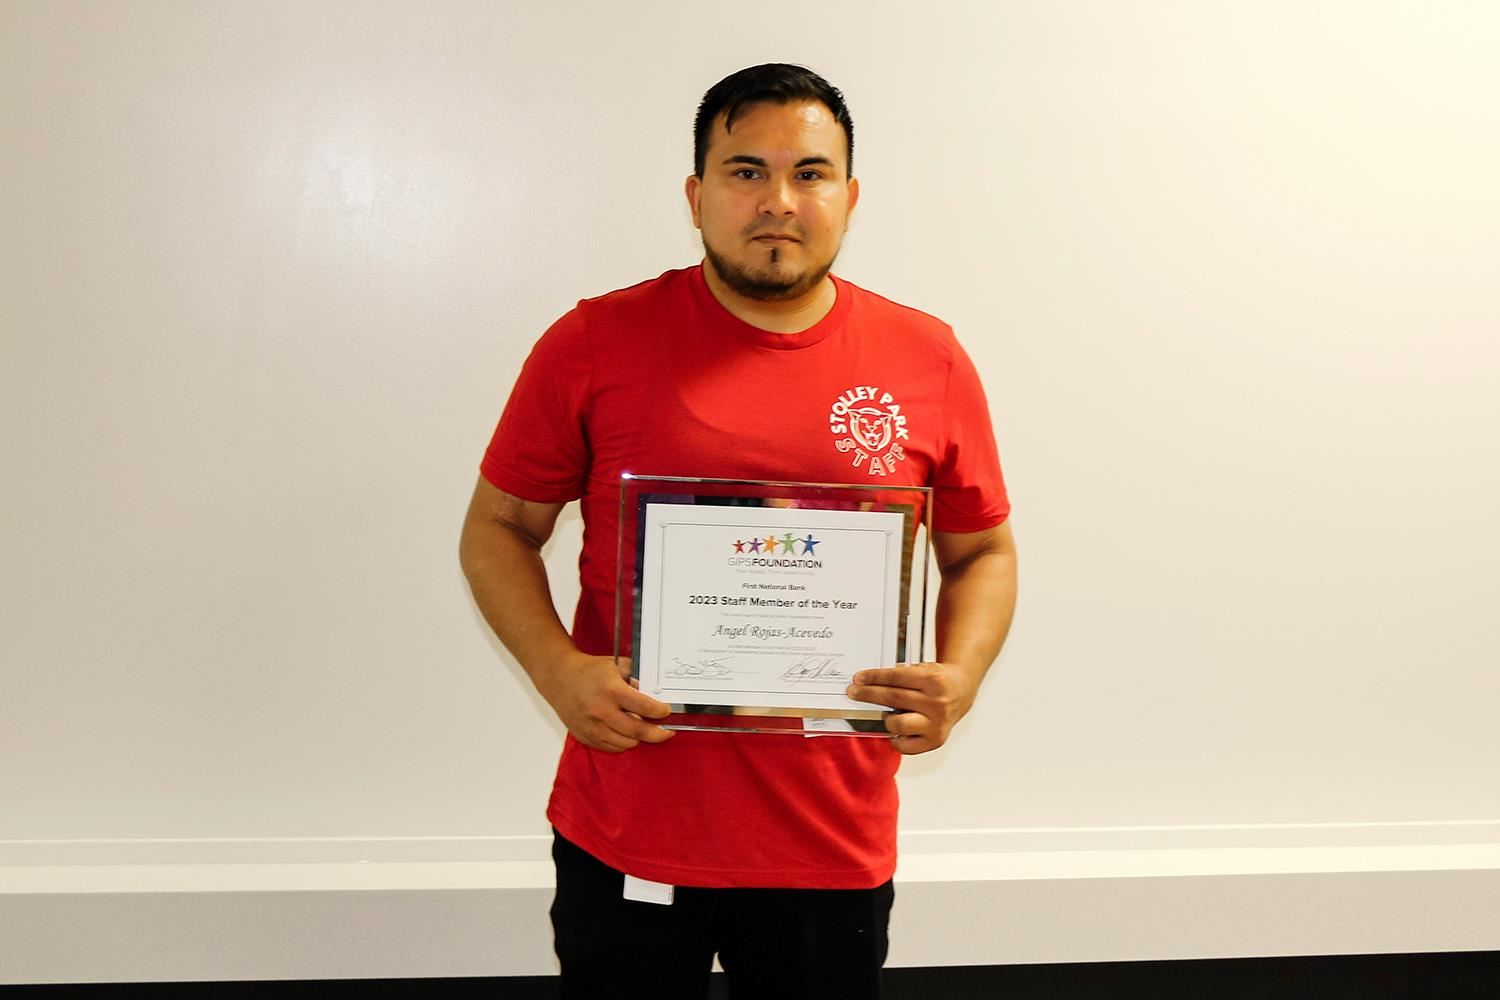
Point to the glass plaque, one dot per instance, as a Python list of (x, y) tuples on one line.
[(749, 606)]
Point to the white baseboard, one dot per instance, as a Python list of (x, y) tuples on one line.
[(1150, 838), (535, 847), (163, 911)]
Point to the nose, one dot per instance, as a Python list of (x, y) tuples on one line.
[(776, 197)]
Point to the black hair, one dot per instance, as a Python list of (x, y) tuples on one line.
[(774, 83)]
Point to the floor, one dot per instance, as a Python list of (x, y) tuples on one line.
[(1458, 976)]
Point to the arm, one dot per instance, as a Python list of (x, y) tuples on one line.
[(501, 555), (976, 600)]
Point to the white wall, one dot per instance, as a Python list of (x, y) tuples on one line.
[(1228, 271)]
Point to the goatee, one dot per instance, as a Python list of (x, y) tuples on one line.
[(762, 286)]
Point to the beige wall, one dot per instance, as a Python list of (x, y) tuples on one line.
[(268, 270)]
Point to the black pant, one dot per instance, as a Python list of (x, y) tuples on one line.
[(773, 943)]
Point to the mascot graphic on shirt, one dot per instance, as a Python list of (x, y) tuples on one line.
[(868, 426)]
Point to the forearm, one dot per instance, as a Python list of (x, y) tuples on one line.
[(588, 693), (509, 582), (976, 602)]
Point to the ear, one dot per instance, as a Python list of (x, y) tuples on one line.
[(853, 198), (694, 191)]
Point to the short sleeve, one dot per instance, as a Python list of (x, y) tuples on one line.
[(539, 450), (968, 488)]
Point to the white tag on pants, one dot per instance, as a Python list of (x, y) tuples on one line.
[(642, 891)]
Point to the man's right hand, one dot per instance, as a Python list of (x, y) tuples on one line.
[(595, 700), (501, 554)]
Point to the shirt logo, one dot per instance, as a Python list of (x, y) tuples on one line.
[(868, 426)]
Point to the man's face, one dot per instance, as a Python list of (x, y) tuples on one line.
[(775, 198)]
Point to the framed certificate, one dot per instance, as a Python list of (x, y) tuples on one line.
[(751, 605)]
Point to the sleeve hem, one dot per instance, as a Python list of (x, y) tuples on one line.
[(519, 486), (971, 523)]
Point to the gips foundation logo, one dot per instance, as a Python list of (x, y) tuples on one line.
[(868, 426), (788, 543), (786, 552)]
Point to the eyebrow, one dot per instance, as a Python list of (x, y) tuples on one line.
[(806, 161)]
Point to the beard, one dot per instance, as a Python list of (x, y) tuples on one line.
[(769, 283)]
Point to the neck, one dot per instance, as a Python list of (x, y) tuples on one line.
[(778, 316)]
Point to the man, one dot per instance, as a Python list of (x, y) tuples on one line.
[(748, 366)]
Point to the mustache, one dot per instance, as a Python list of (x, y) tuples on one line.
[(794, 231)]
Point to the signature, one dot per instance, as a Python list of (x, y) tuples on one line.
[(813, 668), (702, 668)]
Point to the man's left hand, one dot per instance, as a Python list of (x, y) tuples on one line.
[(929, 699)]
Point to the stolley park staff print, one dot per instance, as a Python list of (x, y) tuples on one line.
[(868, 426), (793, 606)]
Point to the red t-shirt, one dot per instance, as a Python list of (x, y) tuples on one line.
[(660, 379)]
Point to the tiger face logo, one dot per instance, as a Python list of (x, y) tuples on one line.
[(868, 426)]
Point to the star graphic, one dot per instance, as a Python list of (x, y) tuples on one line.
[(787, 541), (739, 546), (755, 545), (771, 544), (808, 543)]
